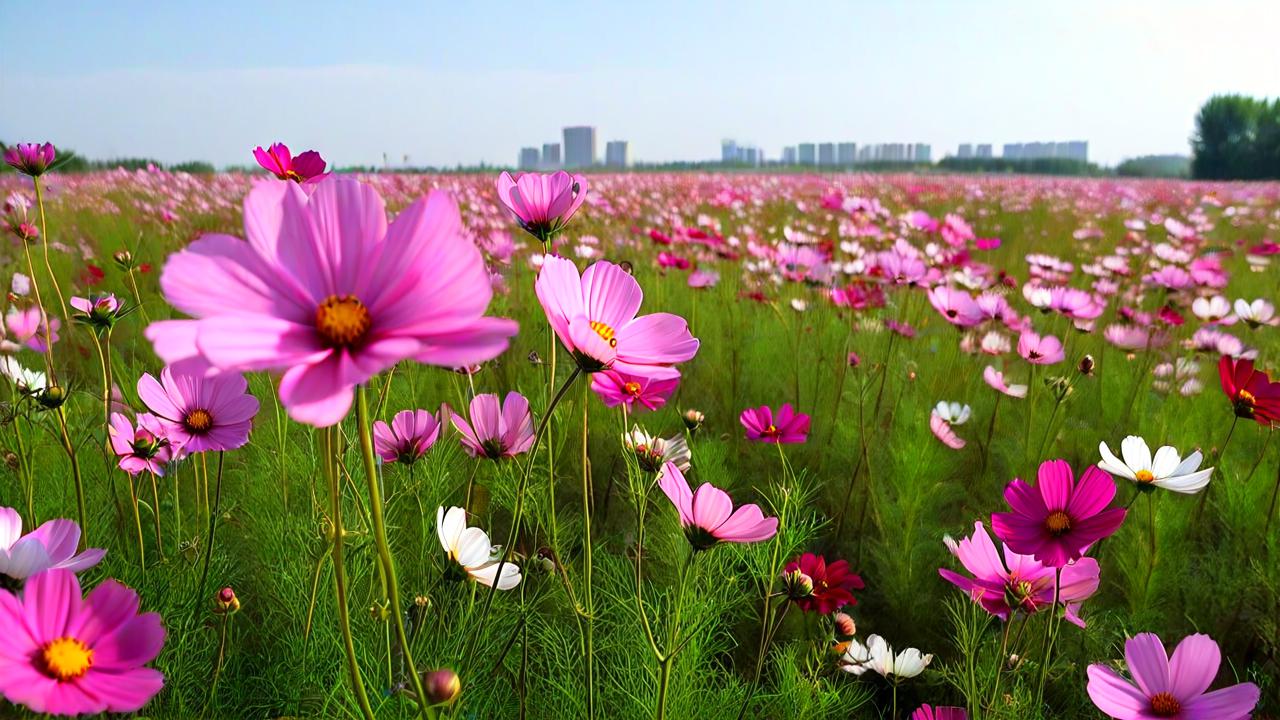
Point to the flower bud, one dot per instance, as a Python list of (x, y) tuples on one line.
[(797, 584), (441, 686), (226, 602), (51, 398), (854, 360), (124, 260), (1086, 365), (844, 626), (693, 419)]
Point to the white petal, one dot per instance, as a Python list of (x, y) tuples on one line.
[(473, 548), (1112, 464), (1165, 462), (1136, 453), (449, 525), (485, 575), (1187, 484), (1188, 465)]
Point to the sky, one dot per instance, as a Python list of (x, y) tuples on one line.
[(460, 82)]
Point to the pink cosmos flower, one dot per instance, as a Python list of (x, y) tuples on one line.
[(143, 448), (409, 436), (1017, 582), (29, 328), (1058, 518), (52, 545), (1170, 277), (200, 413), (30, 158), (707, 515), (637, 392), (787, 427), (956, 306), (1075, 304), (1038, 350), (542, 204), (329, 292), (942, 430), (594, 315), (1170, 687), (65, 654), (307, 167), (995, 379), (703, 279), (496, 430), (939, 712)]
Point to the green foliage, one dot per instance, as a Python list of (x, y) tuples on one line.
[(1163, 166), (1031, 166), (1237, 138)]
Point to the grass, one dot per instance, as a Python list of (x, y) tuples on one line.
[(1215, 571)]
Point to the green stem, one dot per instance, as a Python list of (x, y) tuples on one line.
[(1050, 635), (137, 523), (588, 601), (213, 525)]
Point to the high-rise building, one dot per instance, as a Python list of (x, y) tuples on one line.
[(1012, 151), (529, 158), (865, 154), (984, 150), (551, 156), (846, 153), (965, 152), (923, 153), (617, 154), (728, 151), (827, 154), (789, 155), (750, 156), (579, 146), (808, 154)]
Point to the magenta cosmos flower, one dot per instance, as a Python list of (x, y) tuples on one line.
[(68, 655), (200, 413), (30, 158), (1058, 518), (956, 306), (307, 167), (939, 712), (496, 430), (1038, 350), (542, 204), (594, 315), (328, 292), (637, 392), (707, 515), (409, 436), (142, 448), (52, 545), (787, 427), (1003, 585), (1165, 687)]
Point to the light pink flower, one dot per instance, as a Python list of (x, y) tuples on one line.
[(409, 436), (1170, 687), (542, 204), (143, 448), (200, 413), (995, 379), (1038, 350), (52, 545), (496, 430), (708, 516)]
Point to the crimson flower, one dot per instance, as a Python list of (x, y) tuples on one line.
[(1252, 394), (833, 584)]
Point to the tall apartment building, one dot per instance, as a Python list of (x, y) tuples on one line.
[(923, 153), (789, 155), (984, 150), (551, 156), (846, 153), (617, 154), (965, 152), (827, 154), (808, 154), (579, 146), (529, 158)]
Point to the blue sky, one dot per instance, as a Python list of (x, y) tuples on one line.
[(463, 82)]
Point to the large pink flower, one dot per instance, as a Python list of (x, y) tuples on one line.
[(52, 545), (200, 413), (956, 306), (787, 426), (306, 167), (30, 158), (542, 204), (1058, 518), (328, 292), (708, 516), (1170, 687), (65, 654), (497, 430), (594, 315)]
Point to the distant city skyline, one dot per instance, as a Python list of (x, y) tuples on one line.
[(447, 84)]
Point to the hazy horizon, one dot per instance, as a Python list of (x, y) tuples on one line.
[(448, 85)]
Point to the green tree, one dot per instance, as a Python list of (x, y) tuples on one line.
[(1237, 138)]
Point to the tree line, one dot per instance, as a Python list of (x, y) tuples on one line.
[(1237, 138)]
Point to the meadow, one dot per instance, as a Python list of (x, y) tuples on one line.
[(304, 573)]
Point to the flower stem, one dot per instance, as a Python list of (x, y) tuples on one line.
[(137, 523), (1000, 660), (1050, 635), (213, 525), (384, 549), (588, 602)]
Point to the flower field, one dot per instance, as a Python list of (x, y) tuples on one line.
[(308, 444)]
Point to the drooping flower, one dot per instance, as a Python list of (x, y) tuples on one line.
[(637, 392), (653, 452), (787, 426), (1057, 519), (833, 584), (31, 328), (594, 315), (708, 516), (879, 657), (471, 549), (142, 448), (52, 545), (1005, 583), (1039, 350), (939, 712), (1167, 470), (1169, 687), (307, 167), (329, 292), (66, 654), (199, 414), (542, 204), (409, 436), (30, 158), (496, 430), (995, 379), (1252, 394)]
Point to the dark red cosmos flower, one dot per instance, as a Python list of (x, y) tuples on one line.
[(1252, 394), (833, 584)]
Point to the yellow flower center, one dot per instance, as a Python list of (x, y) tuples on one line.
[(1057, 523), (198, 421), (1145, 476), (342, 321), (632, 389), (67, 658), (293, 175), (1165, 705), (605, 332)]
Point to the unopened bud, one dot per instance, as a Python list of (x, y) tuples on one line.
[(52, 397), (693, 419), (226, 602), (124, 260), (1086, 365), (797, 584), (844, 626), (441, 686)]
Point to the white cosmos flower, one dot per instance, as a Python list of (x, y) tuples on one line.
[(1166, 470), (953, 412), (1258, 312), (1212, 309), (799, 304), (31, 381), (653, 452), (879, 657), (470, 548)]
